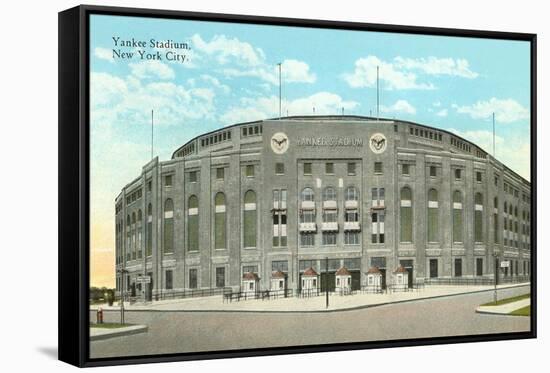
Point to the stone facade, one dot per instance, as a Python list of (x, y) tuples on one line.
[(291, 154)]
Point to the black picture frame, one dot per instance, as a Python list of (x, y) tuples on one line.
[(74, 192)]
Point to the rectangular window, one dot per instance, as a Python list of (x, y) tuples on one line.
[(329, 168), (250, 269), (250, 170), (405, 169), (458, 267), (220, 277), (377, 167), (169, 280), (351, 238), (307, 239), (279, 265), (478, 177), (458, 173), (329, 238), (307, 168), (279, 168), (193, 278), (149, 186), (168, 180), (433, 171), (220, 173), (193, 176), (352, 168)]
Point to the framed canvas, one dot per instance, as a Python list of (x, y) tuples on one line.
[(236, 186)]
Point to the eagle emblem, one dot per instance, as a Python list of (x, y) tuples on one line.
[(378, 143), (279, 143)]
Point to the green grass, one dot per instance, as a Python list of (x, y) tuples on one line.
[(525, 311), (109, 325), (508, 300)]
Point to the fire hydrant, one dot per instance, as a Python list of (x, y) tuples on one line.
[(100, 315)]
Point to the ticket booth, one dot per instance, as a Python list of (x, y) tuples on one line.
[(310, 282), (400, 279), (278, 282), (250, 283), (343, 281), (374, 280)]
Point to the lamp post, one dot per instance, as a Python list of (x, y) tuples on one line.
[(497, 266), (122, 272)]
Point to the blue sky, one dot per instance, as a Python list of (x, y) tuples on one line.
[(231, 76)]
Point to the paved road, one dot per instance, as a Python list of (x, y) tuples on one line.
[(172, 332)]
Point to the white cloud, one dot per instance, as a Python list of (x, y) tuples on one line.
[(104, 54), (442, 113), (268, 107), (296, 71), (390, 76), (506, 110), (117, 101), (152, 69), (227, 50), (400, 106), (438, 66), (514, 153), (436, 104), (292, 71)]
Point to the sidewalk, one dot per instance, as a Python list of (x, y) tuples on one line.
[(104, 333), (504, 309), (314, 304)]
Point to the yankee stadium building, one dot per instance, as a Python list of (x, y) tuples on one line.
[(262, 205)]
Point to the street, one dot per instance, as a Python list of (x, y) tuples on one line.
[(173, 332)]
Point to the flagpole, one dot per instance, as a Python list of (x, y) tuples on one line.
[(494, 155), (377, 93), (152, 120), (280, 90)]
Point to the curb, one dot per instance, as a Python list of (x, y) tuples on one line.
[(120, 332), (354, 308)]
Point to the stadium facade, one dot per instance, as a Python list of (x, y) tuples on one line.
[(261, 203)]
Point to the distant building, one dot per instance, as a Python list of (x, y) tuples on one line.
[(278, 196)]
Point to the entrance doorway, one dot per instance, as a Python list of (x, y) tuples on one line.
[(408, 265), (434, 268)]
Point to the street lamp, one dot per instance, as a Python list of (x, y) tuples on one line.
[(122, 271), (497, 266)]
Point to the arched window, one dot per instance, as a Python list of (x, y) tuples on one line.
[(220, 225), (457, 217), (249, 219), (433, 216), (168, 226), (478, 218), (133, 244), (193, 224), (495, 221), (351, 194), (149, 231), (505, 207), (307, 194), (128, 237), (329, 194), (139, 234), (406, 214)]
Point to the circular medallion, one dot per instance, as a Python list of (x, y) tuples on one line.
[(279, 143), (378, 143)]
